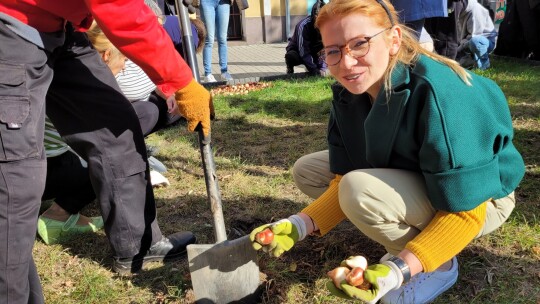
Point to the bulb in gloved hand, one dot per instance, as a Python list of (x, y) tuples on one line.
[(265, 237), (338, 275), (355, 277), (356, 261)]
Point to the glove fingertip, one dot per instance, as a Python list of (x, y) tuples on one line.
[(256, 245), (191, 126), (277, 253), (206, 131), (277, 228)]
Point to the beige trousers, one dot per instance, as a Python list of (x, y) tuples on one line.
[(390, 206)]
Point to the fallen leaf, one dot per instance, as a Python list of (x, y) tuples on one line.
[(238, 89), (293, 267)]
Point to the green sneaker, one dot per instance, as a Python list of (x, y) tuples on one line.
[(51, 231)]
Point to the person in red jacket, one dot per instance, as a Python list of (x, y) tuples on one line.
[(45, 58)]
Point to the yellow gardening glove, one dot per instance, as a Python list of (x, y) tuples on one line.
[(286, 232), (195, 105)]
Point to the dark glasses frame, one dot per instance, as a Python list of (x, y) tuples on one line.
[(367, 39)]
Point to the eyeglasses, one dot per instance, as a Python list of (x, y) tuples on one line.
[(356, 48)]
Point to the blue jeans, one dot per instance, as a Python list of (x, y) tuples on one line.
[(480, 47), (215, 15)]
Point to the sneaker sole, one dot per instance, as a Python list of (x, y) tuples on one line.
[(134, 266)]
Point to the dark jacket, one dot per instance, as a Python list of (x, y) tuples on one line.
[(458, 137), (307, 41)]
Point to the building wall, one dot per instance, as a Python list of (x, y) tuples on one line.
[(265, 20)]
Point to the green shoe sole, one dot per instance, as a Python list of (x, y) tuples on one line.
[(51, 231)]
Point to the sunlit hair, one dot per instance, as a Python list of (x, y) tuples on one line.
[(101, 43), (410, 48), (201, 34)]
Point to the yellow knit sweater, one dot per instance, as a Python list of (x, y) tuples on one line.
[(446, 235)]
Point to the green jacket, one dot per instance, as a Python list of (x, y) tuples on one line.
[(458, 136)]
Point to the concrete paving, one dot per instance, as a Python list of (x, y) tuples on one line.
[(247, 63)]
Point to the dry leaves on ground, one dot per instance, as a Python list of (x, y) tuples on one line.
[(239, 89)]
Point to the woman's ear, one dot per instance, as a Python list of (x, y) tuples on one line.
[(106, 55), (395, 40)]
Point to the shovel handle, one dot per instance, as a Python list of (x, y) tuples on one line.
[(209, 167), (188, 46), (212, 189)]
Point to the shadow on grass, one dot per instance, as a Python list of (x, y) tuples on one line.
[(527, 141), (484, 274), (172, 281), (255, 143), (528, 110), (488, 276)]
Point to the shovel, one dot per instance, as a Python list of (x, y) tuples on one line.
[(227, 271)]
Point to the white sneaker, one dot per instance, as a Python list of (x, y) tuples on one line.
[(423, 287), (209, 78), (156, 165), (225, 76), (157, 180)]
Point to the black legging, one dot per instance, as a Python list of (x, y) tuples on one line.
[(68, 183), (444, 30), (148, 114)]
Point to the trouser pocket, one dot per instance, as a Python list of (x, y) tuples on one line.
[(21, 134)]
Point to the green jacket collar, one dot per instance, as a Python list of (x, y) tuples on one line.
[(385, 118)]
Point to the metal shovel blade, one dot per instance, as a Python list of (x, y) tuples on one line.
[(225, 272)]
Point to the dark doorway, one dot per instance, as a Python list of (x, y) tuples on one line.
[(234, 31)]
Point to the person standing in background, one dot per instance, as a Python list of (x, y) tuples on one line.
[(215, 15)]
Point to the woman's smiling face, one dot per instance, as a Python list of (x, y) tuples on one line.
[(361, 74)]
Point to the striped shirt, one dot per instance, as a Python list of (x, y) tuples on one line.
[(134, 83), (54, 145)]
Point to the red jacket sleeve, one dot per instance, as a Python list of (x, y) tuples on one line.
[(134, 29)]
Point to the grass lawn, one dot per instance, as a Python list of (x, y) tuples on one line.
[(256, 139)]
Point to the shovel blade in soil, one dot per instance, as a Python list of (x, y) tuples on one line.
[(224, 273)]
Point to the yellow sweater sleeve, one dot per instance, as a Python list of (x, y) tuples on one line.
[(325, 210), (446, 235)]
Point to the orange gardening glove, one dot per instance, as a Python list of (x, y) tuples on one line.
[(195, 104)]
